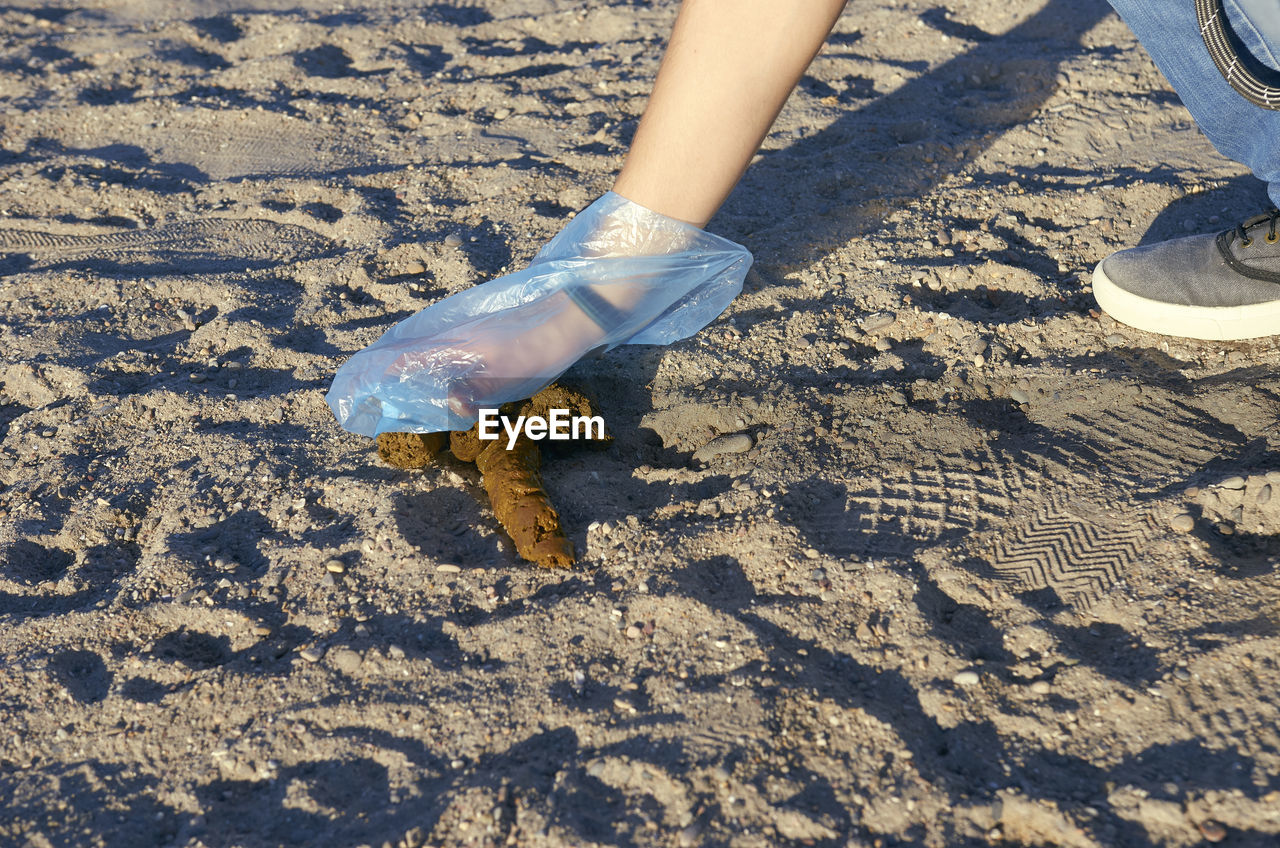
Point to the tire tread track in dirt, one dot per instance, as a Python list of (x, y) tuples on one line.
[(1158, 441), (232, 144), (250, 239), (258, 153)]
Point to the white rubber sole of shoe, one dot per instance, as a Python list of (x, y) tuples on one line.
[(1212, 323)]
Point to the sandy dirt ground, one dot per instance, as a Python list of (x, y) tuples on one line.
[(983, 568)]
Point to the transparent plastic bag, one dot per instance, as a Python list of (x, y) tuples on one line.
[(617, 274)]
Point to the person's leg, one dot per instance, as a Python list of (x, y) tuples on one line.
[(1210, 287), (1241, 131), (729, 67)]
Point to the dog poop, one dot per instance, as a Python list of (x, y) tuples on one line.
[(411, 450), (511, 475), (521, 504)]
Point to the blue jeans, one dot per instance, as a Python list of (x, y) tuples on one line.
[(1241, 131)]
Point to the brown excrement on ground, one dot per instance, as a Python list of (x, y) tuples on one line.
[(411, 450), (511, 477)]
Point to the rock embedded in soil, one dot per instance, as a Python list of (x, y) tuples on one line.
[(346, 660), (1212, 831), (731, 443), (878, 321), (1183, 523)]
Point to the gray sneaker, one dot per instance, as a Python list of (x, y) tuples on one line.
[(1201, 287)]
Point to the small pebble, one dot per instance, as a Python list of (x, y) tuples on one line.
[(1236, 482), (448, 568), (1041, 687), (1183, 523), (634, 632), (966, 678), (261, 630), (691, 834), (731, 443), (346, 660), (1115, 339), (1017, 395), (1264, 494), (335, 566), (1182, 674), (452, 240), (811, 553), (312, 655), (898, 398), (1212, 831), (1226, 529)]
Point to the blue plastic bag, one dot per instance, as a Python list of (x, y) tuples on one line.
[(617, 274)]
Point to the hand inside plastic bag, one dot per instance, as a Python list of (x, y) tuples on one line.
[(498, 354), (617, 274)]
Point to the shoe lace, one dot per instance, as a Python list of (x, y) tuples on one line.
[(1271, 217)]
